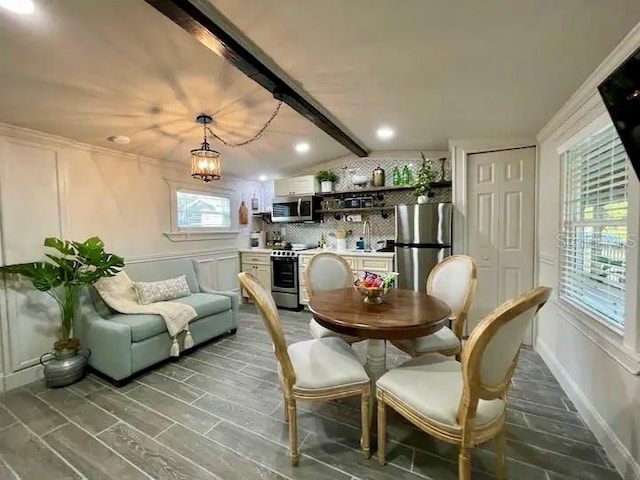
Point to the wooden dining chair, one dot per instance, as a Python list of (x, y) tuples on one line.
[(320, 369), (327, 271), (465, 402), (454, 281)]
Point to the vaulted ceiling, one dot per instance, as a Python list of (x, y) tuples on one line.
[(431, 69)]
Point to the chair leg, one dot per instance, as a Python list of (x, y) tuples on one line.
[(501, 447), (464, 464), (293, 431), (365, 440), (286, 408), (382, 430)]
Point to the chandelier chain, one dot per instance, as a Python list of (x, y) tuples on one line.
[(252, 139)]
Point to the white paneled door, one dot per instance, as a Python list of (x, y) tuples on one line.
[(500, 226)]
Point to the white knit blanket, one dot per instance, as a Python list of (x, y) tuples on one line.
[(118, 293)]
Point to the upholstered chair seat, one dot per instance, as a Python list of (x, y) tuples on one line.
[(324, 363), (327, 271), (321, 369), (318, 331), (431, 386), (454, 281), (444, 340)]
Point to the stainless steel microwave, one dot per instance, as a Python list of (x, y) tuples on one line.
[(295, 209)]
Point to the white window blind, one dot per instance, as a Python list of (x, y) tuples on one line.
[(200, 210), (594, 226)]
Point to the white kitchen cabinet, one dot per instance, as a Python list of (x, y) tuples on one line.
[(302, 185), (258, 265)]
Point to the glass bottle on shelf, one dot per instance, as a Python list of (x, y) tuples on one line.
[(407, 177), (395, 175)]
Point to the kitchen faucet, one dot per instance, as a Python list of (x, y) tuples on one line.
[(366, 234)]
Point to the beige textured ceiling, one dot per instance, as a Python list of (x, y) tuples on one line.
[(433, 69), (437, 69), (87, 69)]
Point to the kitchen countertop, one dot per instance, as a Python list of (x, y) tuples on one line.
[(313, 251), (255, 250), (349, 253)]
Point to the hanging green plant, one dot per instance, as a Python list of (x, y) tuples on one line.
[(424, 178)]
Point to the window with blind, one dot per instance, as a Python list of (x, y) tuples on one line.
[(202, 211), (594, 226)]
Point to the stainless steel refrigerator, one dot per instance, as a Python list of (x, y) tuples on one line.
[(423, 238)]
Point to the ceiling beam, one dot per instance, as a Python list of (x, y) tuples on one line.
[(211, 28)]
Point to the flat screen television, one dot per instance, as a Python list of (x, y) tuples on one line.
[(621, 94)]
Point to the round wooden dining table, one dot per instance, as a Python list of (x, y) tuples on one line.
[(402, 314)]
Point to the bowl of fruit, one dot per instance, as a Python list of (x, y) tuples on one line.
[(373, 286)]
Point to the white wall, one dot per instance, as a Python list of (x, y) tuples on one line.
[(55, 187), (600, 377)]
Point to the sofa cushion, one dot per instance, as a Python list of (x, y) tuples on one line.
[(162, 290), (206, 304), (142, 326), (163, 270)]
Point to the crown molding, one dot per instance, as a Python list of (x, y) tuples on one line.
[(589, 88), (27, 135)]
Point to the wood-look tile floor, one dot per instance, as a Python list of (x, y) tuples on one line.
[(217, 413)]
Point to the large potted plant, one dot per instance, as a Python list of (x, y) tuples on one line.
[(424, 179), (73, 266), (326, 179)]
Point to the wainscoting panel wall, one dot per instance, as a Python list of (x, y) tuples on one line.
[(26, 220), (50, 186)]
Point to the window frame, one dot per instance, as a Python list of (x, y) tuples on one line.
[(592, 129), (178, 233), (622, 345)]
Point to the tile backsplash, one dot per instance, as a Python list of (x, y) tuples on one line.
[(345, 168)]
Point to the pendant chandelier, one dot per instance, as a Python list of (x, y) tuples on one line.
[(205, 162)]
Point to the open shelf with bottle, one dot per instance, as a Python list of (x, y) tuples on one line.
[(389, 188)]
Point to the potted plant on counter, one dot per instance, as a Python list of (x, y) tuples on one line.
[(73, 266), (424, 179), (326, 178)]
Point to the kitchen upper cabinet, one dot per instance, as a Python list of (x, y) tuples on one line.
[(303, 185)]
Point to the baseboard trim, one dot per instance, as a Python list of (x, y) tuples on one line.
[(20, 378), (615, 449)]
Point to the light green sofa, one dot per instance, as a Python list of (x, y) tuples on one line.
[(122, 345)]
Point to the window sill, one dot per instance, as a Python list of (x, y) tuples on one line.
[(192, 236), (600, 335)]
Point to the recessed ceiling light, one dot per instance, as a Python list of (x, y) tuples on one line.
[(385, 133), (302, 147), (18, 6), (118, 139), (263, 178)]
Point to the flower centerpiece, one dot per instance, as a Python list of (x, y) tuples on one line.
[(374, 286), (326, 178), (424, 179)]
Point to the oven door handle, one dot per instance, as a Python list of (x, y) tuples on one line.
[(299, 205)]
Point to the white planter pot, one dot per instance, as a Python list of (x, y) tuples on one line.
[(326, 186), (423, 199)]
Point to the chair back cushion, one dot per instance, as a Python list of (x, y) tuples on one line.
[(453, 281), (269, 313), (489, 356), (327, 271)]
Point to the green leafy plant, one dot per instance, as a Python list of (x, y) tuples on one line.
[(326, 176), (424, 179), (63, 276)]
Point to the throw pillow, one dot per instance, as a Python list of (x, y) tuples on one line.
[(151, 292)]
